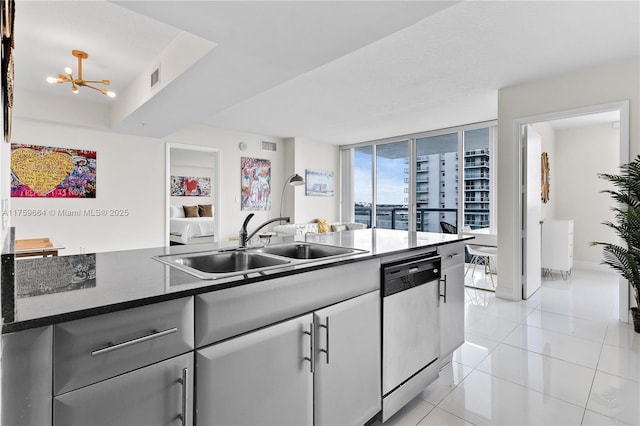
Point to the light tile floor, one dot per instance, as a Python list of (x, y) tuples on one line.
[(559, 358)]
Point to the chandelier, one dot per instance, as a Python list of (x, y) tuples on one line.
[(78, 81)]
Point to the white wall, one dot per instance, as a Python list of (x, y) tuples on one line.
[(581, 154), (129, 176), (313, 155), (288, 194), (600, 85), (227, 141)]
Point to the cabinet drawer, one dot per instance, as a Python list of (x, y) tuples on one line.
[(160, 394), (92, 349), (452, 254)]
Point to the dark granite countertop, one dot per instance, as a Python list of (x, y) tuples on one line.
[(45, 291)]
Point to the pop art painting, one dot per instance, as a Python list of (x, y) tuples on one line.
[(44, 171), (190, 186), (255, 184)]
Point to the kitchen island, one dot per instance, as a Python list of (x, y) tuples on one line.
[(122, 325)]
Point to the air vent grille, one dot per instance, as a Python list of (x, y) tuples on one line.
[(155, 77), (269, 146)]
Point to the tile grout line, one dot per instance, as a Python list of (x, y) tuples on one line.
[(595, 373)]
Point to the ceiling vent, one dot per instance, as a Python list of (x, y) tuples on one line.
[(269, 146), (155, 77)]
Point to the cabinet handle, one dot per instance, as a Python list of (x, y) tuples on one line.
[(444, 281), (311, 357), (154, 335), (326, 327), (185, 388)]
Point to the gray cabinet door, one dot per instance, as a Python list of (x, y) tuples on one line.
[(260, 378), (153, 395), (452, 311), (347, 375)]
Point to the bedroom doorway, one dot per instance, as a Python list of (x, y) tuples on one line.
[(621, 108), (192, 180)]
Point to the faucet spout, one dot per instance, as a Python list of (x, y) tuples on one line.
[(245, 237), (243, 231), (246, 221)]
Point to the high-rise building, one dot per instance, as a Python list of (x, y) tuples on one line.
[(476, 188), (437, 193), (436, 190)]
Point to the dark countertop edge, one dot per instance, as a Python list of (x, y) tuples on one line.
[(17, 326)]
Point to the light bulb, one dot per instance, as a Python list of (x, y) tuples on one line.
[(68, 70), (52, 80), (111, 94), (74, 89)]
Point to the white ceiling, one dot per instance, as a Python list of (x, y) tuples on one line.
[(331, 71)]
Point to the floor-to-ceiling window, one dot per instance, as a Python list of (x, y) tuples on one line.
[(392, 179), (362, 176), (477, 178), (437, 182), (447, 175)]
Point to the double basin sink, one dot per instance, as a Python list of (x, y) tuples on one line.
[(239, 261)]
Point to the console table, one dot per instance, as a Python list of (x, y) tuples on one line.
[(36, 247)]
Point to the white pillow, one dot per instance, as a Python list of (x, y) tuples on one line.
[(176, 211)]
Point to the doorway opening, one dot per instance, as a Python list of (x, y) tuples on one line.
[(578, 144), (192, 182)]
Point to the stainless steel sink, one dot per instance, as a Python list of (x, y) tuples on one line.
[(220, 264), (229, 262), (226, 263), (306, 250)]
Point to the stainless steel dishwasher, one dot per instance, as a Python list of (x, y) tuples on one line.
[(410, 329)]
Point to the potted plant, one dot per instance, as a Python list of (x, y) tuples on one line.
[(625, 258)]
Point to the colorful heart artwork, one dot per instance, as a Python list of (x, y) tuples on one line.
[(39, 171)]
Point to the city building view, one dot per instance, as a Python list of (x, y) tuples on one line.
[(436, 183)]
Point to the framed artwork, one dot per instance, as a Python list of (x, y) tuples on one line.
[(190, 186), (544, 175), (7, 10), (255, 184), (44, 171), (319, 183)]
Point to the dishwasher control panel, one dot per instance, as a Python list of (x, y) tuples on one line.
[(409, 273)]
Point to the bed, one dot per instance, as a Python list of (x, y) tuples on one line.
[(190, 230)]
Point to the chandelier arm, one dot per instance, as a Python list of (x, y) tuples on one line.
[(91, 87), (103, 91), (105, 82)]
